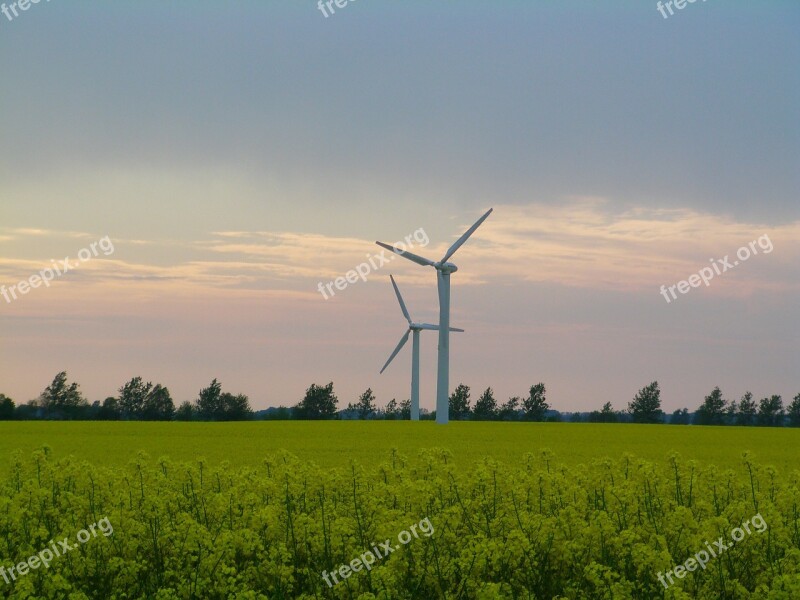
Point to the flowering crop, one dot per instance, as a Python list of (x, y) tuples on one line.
[(530, 530)]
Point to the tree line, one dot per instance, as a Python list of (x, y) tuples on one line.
[(321, 402), (145, 401), (137, 400)]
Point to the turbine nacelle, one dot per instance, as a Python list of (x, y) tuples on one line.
[(447, 267)]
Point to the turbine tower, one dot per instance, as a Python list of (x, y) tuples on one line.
[(414, 328), (443, 271)]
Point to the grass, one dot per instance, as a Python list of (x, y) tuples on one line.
[(335, 443)]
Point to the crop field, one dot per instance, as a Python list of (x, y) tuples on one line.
[(398, 510), (334, 444)]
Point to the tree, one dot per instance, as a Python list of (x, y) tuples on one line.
[(28, 411), (391, 412), (365, 406), (132, 398), (793, 412), (109, 410), (234, 408), (213, 404), (770, 411), (282, 413), (459, 403), (747, 410), (185, 412), (61, 399), (405, 409), (319, 403), (535, 405), (6, 408), (158, 405), (680, 417), (646, 405), (606, 415), (485, 407), (730, 413), (208, 405), (712, 411), (509, 410)]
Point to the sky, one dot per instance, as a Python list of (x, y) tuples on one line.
[(234, 156)]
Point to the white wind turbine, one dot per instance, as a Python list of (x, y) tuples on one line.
[(443, 271), (414, 328)]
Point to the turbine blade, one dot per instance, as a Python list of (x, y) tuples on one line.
[(400, 300), (402, 343), (409, 255), (431, 327), (465, 237)]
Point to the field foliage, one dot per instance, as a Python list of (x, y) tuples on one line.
[(532, 528), (334, 443)]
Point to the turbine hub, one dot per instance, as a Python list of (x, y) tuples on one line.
[(447, 267)]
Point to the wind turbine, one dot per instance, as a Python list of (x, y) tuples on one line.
[(414, 328), (443, 271)]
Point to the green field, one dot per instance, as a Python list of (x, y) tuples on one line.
[(508, 511), (335, 443)]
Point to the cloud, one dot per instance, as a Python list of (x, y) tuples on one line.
[(586, 244), (581, 243), (20, 232), (297, 256)]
